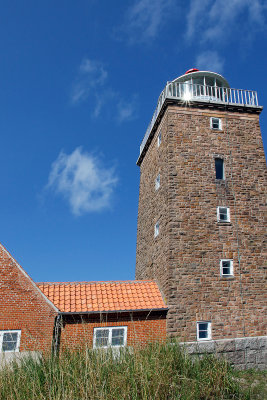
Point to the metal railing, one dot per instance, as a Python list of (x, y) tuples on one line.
[(193, 92)]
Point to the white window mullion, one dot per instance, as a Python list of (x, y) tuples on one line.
[(110, 337)]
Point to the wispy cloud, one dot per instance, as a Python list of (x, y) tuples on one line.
[(91, 74), (216, 20), (210, 61), (126, 110), (91, 84), (145, 18), (83, 181)]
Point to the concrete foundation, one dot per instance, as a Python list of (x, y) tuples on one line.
[(8, 357)]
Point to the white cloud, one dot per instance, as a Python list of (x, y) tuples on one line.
[(126, 110), (81, 179), (145, 18), (91, 85), (91, 76), (216, 20), (210, 61)]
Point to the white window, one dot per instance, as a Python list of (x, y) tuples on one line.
[(110, 337), (9, 340), (156, 230), (203, 330), (223, 214), (159, 139), (157, 182), (226, 268), (216, 123)]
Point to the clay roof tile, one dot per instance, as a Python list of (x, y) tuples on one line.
[(103, 296)]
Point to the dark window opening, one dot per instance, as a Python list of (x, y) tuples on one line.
[(226, 268), (215, 123), (219, 168)]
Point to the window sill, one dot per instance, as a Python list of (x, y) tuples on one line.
[(227, 277), (224, 222)]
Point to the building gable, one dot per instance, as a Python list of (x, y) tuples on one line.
[(23, 306)]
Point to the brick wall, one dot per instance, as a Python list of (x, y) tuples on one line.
[(187, 252), (23, 307), (141, 328)]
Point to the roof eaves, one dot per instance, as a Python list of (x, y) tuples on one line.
[(113, 311)]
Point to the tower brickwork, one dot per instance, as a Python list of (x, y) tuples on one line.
[(185, 252)]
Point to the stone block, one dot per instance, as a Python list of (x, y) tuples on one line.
[(261, 367), (242, 344), (241, 367), (239, 357), (223, 346), (262, 341), (206, 347), (251, 357), (261, 357), (191, 348), (254, 343), (230, 356)]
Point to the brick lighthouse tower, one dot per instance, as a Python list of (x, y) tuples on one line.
[(201, 208)]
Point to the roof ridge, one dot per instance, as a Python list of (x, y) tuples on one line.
[(96, 282)]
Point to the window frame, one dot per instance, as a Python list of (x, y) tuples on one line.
[(156, 229), (208, 331), (18, 331), (231, 267), (220, 124), (159, 139), (157, 182), (110, 329), (223, 168), (227, 214)]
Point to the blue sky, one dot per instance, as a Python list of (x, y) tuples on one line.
[(79, 81)]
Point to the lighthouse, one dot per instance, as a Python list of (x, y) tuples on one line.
[(201, 230)]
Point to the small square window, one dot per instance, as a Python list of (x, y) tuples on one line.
[(157, 182), (203, 330), (9, 340), (223, 214), (159, 139), (110, 337), (219, 168), (156, 230), (216, 123), (226, 268)]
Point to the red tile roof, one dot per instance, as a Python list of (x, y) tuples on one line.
[(103, 296)]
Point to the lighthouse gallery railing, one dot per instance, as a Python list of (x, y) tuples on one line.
[(193, 92)]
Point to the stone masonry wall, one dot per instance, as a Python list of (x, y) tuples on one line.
[(243, 353), (151, 254), (192, 242)]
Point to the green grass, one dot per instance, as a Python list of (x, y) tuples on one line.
[(254, 382), (157, 372)]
